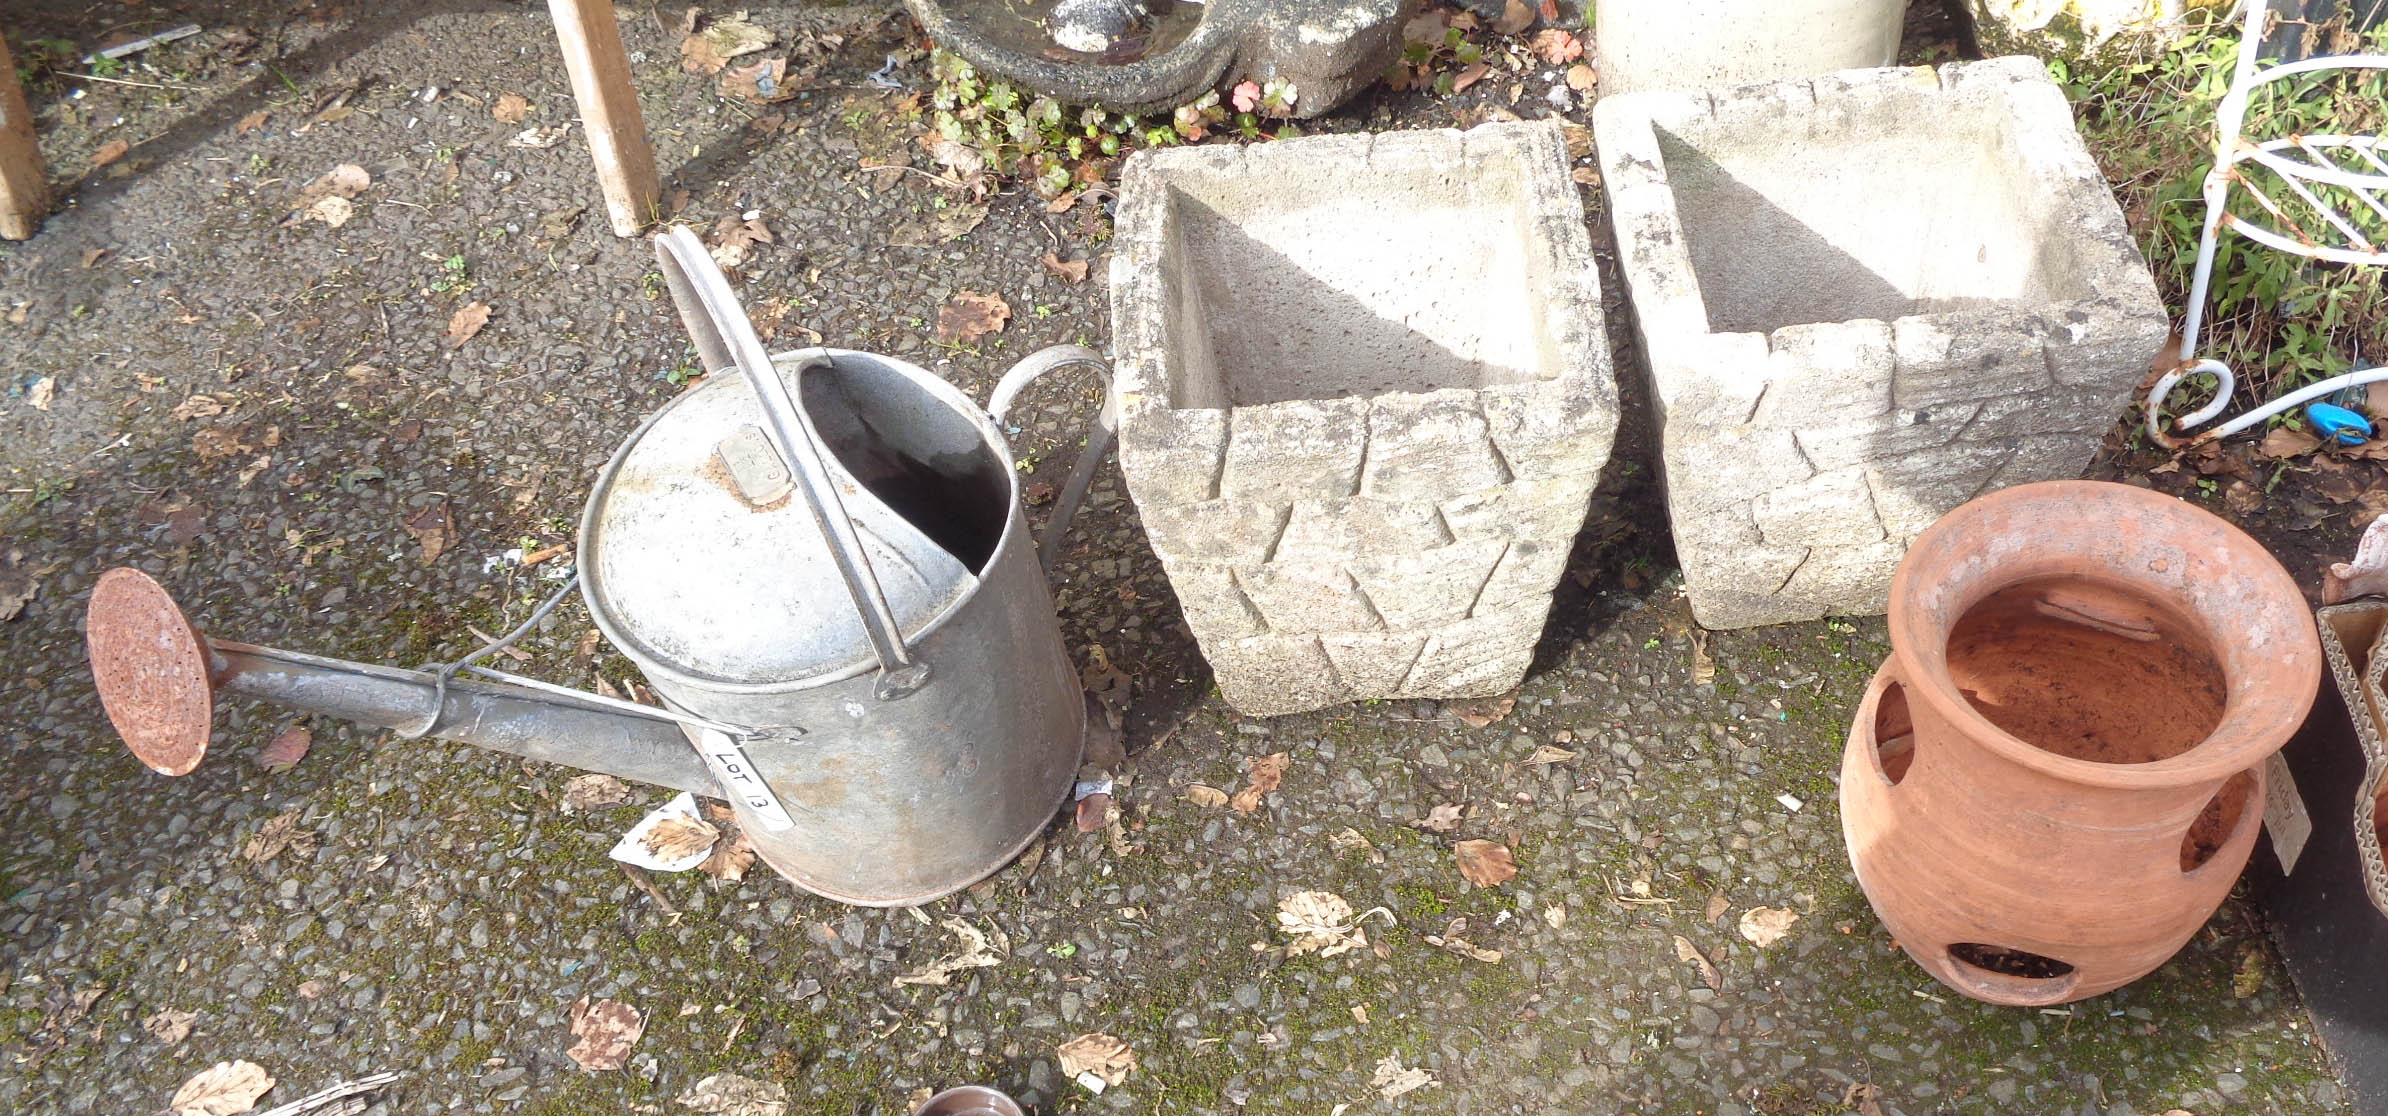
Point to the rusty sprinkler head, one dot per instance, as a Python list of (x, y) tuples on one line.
[(151, 666)]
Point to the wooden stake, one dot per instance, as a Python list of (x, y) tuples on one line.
[(600, 72), (24, 181)]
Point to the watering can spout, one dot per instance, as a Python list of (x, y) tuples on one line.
[(159, 676)]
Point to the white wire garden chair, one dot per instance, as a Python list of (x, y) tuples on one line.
[(2336, 182)]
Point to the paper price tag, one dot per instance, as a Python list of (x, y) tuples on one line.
[(739, 779)]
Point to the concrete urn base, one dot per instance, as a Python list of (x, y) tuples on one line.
[(1364, 395)]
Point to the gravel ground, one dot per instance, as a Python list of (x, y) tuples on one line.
[(449, 912)]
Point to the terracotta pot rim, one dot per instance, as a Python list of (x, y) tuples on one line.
[(2247, 732)]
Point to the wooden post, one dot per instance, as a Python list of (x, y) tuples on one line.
[(24, 181), (600, 72)]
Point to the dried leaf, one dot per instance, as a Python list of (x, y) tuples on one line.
[(344, 181), (589, 792), (1717, 906), (251, 122), (731, 858), (1322, 922), (980, 950), (1691, 955), (17, 587), (219, 442), (108, 153), (1479, 712), (1109, 686), (678, 837), (607, 1030), (707, 51), (288, 747), (45, 390), (762, 82), (1516, 16), (969, 316), (1582, 78), (1555, 46), (1549, 753), (170, 1026), (1864, 1098), (198, 407), (432, 528), (1072, 272), (1764, 926), (728, 1094), (540, 139), (2284, 441), (276, 835), (2249, 979), (1485, 863), (224, 1089), (1266, 772), (1207, 797), (1703, 671), (1096, 1061), (1442, 818), (1392, 1079), (465, 324), (510, 108), (734, 240), (1469, 75)]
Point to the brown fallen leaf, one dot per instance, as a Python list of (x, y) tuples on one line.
[(224, 1089), (1101, 1057), (1207, 797), (465, 324), (432, 528), (980, 949), (1863, 1098), (198, 407), (1108, 685), (1093, 812), (734, 853), (218, 442), (169, 1026), (1392, 1079), (18, 587), (510, 108), (1555, 46), (1072, 272), (326, 199), (1479, 712), (589, 792), (1451, 940), (1516, 16), (1717, 906), (1764, 926), (734, 240), (1322, 922), (1485, 863), (1266, 773), (287, 748), (1549, 753), (45, 391), (1442, 818), (607, 1030), (1691, 955), (2283, 442), (763, 82), (677, 837), (1469, 75), (968, 316), (251, 122), (728, 1094), (276, 835), (108, 153), (707, 51), (1582, 78)]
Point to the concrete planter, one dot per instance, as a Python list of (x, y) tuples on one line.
[(1866, 299), (1696, 44), (1364, 394)]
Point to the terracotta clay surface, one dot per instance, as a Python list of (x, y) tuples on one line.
[(2056, 777)]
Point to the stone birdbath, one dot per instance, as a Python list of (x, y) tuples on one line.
[(1172, 52)]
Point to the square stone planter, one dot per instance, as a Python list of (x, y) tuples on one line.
[(1364, 395), (1866, 298)]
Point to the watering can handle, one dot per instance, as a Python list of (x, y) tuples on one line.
[(1098, 439), (725, 339)]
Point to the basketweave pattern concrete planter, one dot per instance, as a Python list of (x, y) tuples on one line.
[(1364, 396), (1866, 298)]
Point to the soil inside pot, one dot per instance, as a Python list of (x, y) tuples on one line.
[(2088, 669)]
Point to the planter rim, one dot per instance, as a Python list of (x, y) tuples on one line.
[(2248, 731)]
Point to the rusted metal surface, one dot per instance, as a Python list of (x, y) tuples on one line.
[(152, 670)]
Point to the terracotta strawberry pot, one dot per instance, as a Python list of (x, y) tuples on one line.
[(2056, 777)]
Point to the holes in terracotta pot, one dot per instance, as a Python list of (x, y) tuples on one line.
[(2005, 962), (1894, 733), (2219, 821)]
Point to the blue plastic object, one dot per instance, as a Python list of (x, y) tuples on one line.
[(2338, 424)]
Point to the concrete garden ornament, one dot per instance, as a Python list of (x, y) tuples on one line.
[(1364, 394), (2059, 773), (1866, 298), (867, 667)]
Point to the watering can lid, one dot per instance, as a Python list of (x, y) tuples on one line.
[(699, 558)]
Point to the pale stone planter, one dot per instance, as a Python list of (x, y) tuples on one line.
[(1866, 298), (1364, 395), (1696, 44)]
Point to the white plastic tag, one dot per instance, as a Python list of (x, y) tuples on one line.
[(739, 779)]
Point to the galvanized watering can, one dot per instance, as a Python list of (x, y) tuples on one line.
[(822, 568)]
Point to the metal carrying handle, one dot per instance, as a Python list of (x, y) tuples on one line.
[(725, 339), (1098, 438)]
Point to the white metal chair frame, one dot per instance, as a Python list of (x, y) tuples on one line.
[(2354, 165)]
